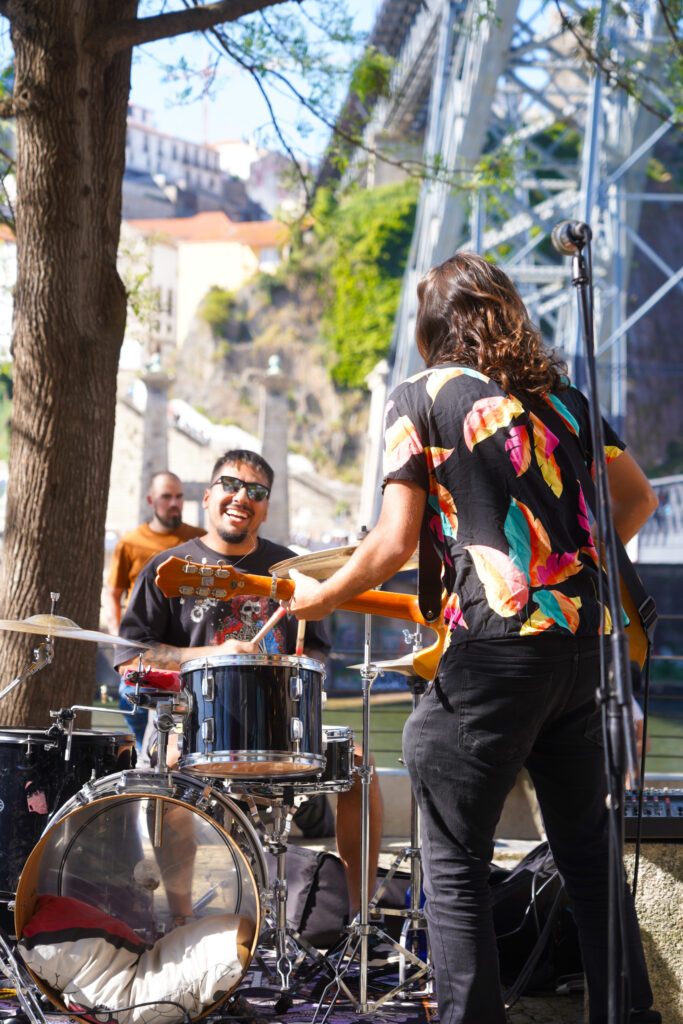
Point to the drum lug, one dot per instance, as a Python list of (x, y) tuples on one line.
[(296, 688), (208, 731), (208, 687), (296, 731)]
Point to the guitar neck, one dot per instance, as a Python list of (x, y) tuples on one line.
[(177, 578)]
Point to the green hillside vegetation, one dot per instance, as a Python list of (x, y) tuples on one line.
[(364, 239)]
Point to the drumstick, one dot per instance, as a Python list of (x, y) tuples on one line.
[(301, 629), (267, 626)]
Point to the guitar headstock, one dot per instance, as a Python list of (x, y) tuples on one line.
[(179, 578)]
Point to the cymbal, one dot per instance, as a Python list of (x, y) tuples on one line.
[(322, 564), (403, 665), (57, 625)]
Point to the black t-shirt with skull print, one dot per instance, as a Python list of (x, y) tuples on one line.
[(196, 622)]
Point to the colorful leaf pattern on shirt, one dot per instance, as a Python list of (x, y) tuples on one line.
[(531, 549), (440, 376), (441, 499), (497, 505), (488, 415), (452, 613), (519, 449), (545, 444), (506, 588), (570, 422), (401, 443)]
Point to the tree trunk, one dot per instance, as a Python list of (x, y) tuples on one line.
[(69, 318)]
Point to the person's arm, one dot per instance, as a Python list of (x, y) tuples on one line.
[(112, 607), (171, 658), (385, 549), (632, 498)]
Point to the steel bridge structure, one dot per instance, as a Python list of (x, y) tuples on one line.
[(527, 133)]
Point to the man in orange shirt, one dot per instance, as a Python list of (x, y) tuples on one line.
[(165, 530)]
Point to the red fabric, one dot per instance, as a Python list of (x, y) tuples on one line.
[(62, 913)]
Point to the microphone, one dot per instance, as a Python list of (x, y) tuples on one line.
[(570, 236)]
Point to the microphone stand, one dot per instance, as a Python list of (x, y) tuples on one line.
[(614, 694)]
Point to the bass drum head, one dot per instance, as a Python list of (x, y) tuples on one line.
[(153, 851)]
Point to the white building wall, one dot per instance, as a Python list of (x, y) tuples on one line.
[(155, 260), (203, 264), (189, 164)]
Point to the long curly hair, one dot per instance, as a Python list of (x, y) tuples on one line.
[(470, 312)]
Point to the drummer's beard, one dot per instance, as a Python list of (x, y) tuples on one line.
[(232, 536)]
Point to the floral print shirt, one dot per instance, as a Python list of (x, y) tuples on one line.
[(504, 508)]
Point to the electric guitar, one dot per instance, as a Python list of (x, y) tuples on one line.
[(179, 578)]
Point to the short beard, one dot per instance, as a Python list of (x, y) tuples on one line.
[(232, 538), (170, 522)]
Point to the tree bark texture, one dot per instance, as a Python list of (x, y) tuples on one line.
[(69, 319)]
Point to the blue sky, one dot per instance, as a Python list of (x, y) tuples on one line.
[(235, 110)]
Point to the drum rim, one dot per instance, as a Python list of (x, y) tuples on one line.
[(254, 757), (19, 734), (270, 660), (42, 842)]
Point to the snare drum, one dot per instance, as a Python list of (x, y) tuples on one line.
[(253, 716), (35, 780), (132, 845)]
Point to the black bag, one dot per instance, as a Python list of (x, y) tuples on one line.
[(535, 930)]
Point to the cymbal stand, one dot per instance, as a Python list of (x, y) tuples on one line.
[(42, 655), (286, 939), (360, 930)]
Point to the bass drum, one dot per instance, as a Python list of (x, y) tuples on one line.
[(152, 851), (35, 780)]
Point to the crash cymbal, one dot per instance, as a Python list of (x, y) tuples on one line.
[(322, 564), (403, 665), (57, 625)]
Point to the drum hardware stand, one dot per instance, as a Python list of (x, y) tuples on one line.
[(67, 717), (415, 921), (360, 929), (28, 1001), (275, 840)]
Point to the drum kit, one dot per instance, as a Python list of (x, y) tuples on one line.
[(160, 847)]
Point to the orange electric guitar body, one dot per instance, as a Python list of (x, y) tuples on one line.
[(179, 578)]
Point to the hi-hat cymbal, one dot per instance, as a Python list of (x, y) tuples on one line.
[(322, 564), (57, 625), (403, 665)]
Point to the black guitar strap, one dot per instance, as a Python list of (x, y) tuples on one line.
[(647, 610), (428, 577)]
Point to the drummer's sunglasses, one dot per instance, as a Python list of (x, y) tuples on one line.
[(232, 484)]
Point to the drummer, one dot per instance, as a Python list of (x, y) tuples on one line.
[(178, 630)]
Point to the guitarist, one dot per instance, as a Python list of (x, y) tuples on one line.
[(236, 503), (466, 451)]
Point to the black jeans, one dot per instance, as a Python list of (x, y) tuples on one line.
[(494, 707)]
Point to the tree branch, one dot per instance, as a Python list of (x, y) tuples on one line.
[(122, 35), (6, 107)]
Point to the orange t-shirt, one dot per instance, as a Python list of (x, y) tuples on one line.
[(135, 549)]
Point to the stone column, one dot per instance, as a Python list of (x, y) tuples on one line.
[(155, 432), (372, 467), (273, 433)]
